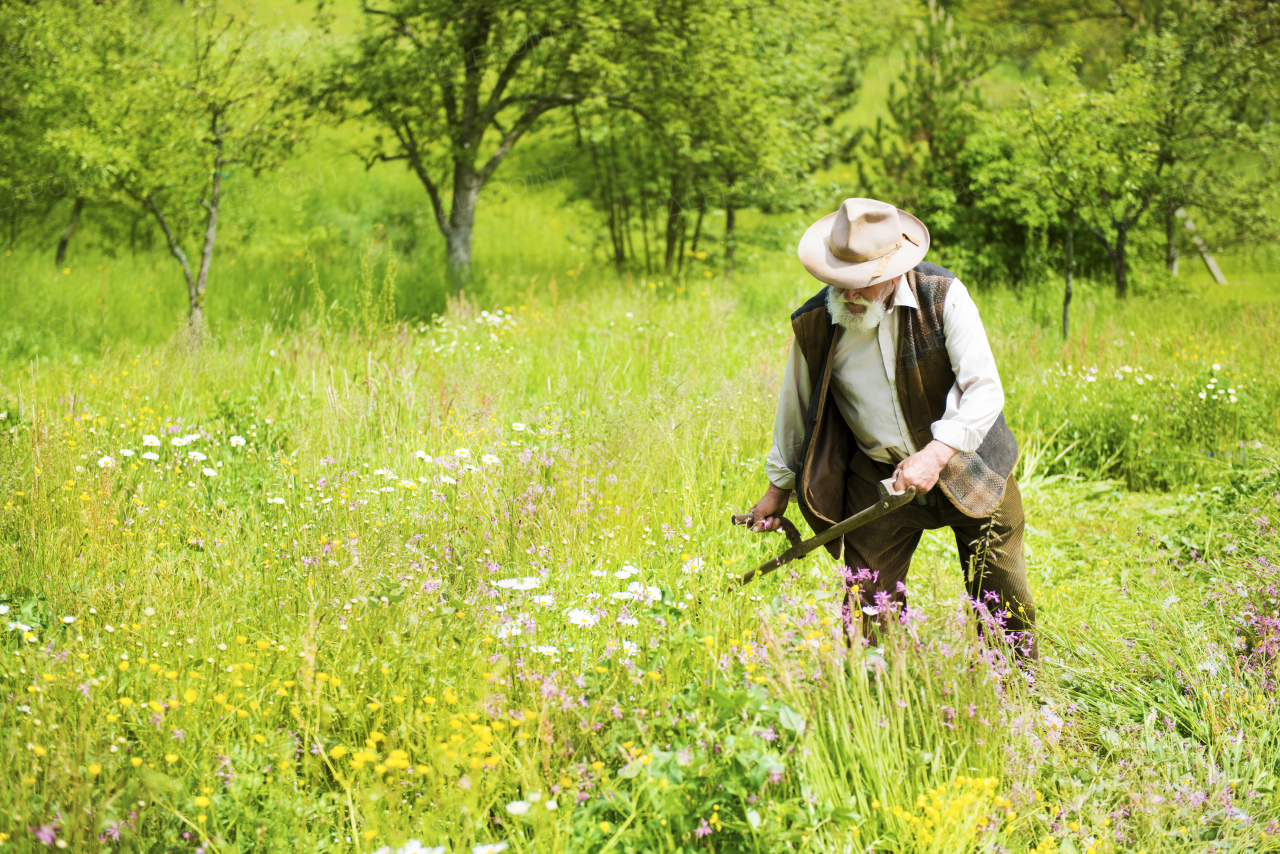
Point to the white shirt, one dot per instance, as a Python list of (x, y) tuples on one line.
[(864, 390)]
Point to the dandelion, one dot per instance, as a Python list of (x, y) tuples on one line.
[(150, 441), (151, 455), (106, 462)]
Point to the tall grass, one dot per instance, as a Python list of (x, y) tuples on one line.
[(461, 570)]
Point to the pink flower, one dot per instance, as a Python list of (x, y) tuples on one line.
[(704, 830)]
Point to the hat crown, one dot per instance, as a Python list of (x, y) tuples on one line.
[(864, 227)]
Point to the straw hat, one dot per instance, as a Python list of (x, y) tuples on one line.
[(864, 243)]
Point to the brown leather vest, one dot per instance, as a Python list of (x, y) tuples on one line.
[(973, 481)]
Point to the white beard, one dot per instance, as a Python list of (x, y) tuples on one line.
[(840, 313)]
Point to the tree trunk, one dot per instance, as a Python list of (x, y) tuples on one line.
[(1119, 263), (1171, 238), (1071, 264), (675, 222), (61, 254), (462, 218), (195, 291), (729, 237), (697, 228)]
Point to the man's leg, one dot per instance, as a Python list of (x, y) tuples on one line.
[(995, 569), (884, 547)]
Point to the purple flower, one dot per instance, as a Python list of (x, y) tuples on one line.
[(704, 830), (45, 833)]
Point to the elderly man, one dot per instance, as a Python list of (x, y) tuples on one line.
[(890, 374)]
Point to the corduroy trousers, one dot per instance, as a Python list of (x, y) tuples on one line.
[(990, 552)]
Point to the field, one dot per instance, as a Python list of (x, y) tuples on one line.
[(338, 580)]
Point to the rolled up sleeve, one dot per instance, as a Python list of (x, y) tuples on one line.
[(976, 399), (783, 460)]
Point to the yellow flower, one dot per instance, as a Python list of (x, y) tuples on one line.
[(125, 701), (369, 834), (263, 644), (171, 758), (136, 761), (202, 801), (338, 752), (202, 818), (190, 695), (260, 738), (38, 750)]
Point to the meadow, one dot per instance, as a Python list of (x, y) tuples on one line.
[(372, 572)]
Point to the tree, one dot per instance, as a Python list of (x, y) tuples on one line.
[(724, 105), (174, 110), (454, 86), (1098, 154)]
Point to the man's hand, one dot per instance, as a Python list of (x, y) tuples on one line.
[(921, 469), (767, 512)]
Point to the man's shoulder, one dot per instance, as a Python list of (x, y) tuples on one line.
[(932, 271), (817, 301)]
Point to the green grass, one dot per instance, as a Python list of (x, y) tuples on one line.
[(645, 415)]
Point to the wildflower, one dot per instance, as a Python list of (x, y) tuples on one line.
[(462, 453), (68, 619), (151, 455), (626, 572), (552, 806), (94, 769), (517, 426), (518, 807), (106, 462), (276, 500), (546, 649), (527, 583), (208, 472), (491, 848), (237, 441), (150, 441), (489, 459), (703, 830), (582, 618), (125, 452), (178, 441), (197, 456)]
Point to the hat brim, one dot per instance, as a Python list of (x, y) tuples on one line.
[(816, 256)]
